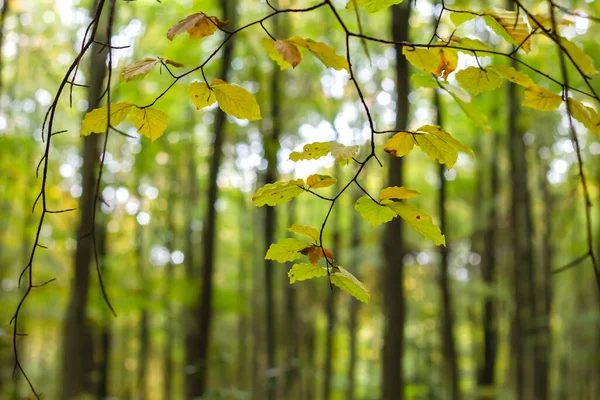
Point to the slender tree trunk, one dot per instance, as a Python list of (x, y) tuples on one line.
[(196, 380), (3, 14), (290, 390), (354, 306), (450, 374), (144, 321), (105, 336), (393, 244), (77, 357), (242, 369)]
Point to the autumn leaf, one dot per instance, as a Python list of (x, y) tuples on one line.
[(278, 193), (349, 284), (580, 58), (201, 95), (235, 100), (174, 63), (397, 192), (150, 122), (374, 213), (316, 181), (586, 115), (342, 152), (325, 53), (423, 59), (512, 75), (289, 52), (468, 45), (400, 144), (447, 62), (459, 18), (288, 249), (419, 221), (477, 80), (424, 81), (315, 253), (311, 151), (472, 112), (198, 25), (511, 26), (372, 6), (138, 69), (96, 120), (306, 231), (275, 54), (302, 272), (541, 99)]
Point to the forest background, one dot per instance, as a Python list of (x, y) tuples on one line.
[(509, 308)]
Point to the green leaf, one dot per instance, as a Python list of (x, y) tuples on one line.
[(477, 80), (374, 213), (349, 284), (459, 18), (278, 193), (472, 112), (423, 59), (307, 231), (580, 58), (541, 99), (511, 74), (201, 95), (149, 121), (372, 6), (325, 53), (419, 221), (341, 152), (96, 120), (424, 81), (287, 249), (311, 151), (586, 115), (468, 43), (397, 192), (511, 26), (302, 272), (235, 100)]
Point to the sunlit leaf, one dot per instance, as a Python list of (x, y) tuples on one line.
[(397, 192), (307, 231), (235, 100), (325, 53), (302, 272), (423, 59), (473, 113), (372, 5), (400, 144), (374, 213), (447, 62), (580, 58), (341, 152), (149, 122), (419, 221), (174, 63), (278, 193), (424, 81), (541, 99), (349, 284), (459, 18), (315, 253), (201, 95), (198, 25), (288, 249), (442, 134), (311, 151), (138, 69), (586, 115), (512, 75), (96, 120), (477, 80), (511, 26), (468, 43), (316, 181), (284, 52)]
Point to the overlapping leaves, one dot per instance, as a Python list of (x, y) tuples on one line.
[(287, 52), (232, 99)]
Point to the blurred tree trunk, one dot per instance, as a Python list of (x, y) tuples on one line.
[(354, 303), (290, 389), (144, 321), (3, 14), (487, 371), (77, 349), (196, 379), (105, 334), (450, 375), (393, 245), (242, 370)]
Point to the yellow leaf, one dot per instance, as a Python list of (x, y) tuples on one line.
[(424, 59), (511, 74), (288, 249), (289, 52), (307, 231), (419, 221), (459, 18), (278, 193), (374, 213), (349, 284), (400, 144), (541, 99), (302, 272), (437, 149), (468, 43), (586, 115), (372, 5), (341, 152), (150, 122), (316, 181), (201, 95), (235, 100), (397, 192), (580, 58), (311, 151), (448, 60), (198, 25), (138, 69), (96, 120), (477, 80), (269, 46), (511, 26), (437, 131), (326, 54)]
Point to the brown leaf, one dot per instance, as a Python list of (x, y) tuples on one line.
[(315, 253), (174, 63), (289, 52), (198, 25)]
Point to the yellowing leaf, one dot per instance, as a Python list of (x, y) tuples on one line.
[(302, 272), (174, 63), (150, 122), (198, 25), (374, 213), (315, 253), (459, 18), (235, 100), (586, 115), (372, 5), (580, 58), (437, 131), (447, 62), (201, 95), (311, 151), (424, 59), (397, 192), (138, 69), (511, 74), (472, 112), (316, 181), (349, 284), (424, 81), (307, 231), (275, 54), (400, 144), (419, 221), (289, 52), (511, 26), (541, 99), (325, 53), (477, 80), (288, 249), (437, 149), (341, 152), (468, 43), (277, 193), (96, 120)]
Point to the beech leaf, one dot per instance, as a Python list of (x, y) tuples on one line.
[(349, 284), (96, 120), (198, 25), (149, 122), (288, 249), (302, 272), (138, 69), (277, 193)]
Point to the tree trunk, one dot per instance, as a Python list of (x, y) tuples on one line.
[(105, 336), (290, 390), (354, 305), (196, 380), (143, 333), (450, 375), (242, 345), (393, 245), (77, 354)]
